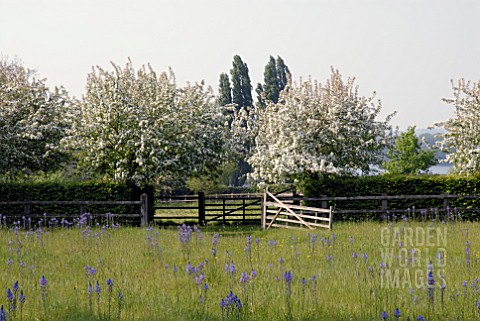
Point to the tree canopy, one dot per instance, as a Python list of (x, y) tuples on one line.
[(407, 156), (33, 120), (319, 129), (241, 85), (462, 139), (137, 126), (276, 77)]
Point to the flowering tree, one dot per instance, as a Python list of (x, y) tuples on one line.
[(319, 129), (33, 120), (463, 135), (137, 127)]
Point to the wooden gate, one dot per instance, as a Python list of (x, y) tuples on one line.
[(276, 213)]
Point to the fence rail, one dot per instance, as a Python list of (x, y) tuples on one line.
[(248, 208), (27, 204)]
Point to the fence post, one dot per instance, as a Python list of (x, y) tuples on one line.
[(201, 209), (295, 195), (223, 211), (26, 208), (83, 209), (144, 209), (331, 218), (446, 204), (264, 209), (243, 206), (384, 204), (324, 202)]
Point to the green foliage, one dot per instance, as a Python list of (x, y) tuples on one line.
[(33, 120), (201, 184), (73, 191), (407, 156), (260, 95), (276, 77), (224, 90), (241, 85), (316, 186)]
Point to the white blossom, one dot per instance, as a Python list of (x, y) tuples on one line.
[(137, 126), (462, 138), (318, 129), (33, 119)]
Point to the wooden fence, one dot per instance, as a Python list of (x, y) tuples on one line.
[(232, 208), (82, 208), (384, 201), (248, 208)]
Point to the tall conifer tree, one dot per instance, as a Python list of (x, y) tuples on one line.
[(276, 77), (225, 90), (241, 85)]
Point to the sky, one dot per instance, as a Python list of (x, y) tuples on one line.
[(407, 51)]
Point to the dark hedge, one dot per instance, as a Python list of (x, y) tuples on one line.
[(393, 185), (73, 191)]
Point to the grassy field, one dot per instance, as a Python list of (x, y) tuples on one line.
[(358, 271)]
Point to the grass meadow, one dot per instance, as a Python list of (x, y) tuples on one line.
[(359, 271)]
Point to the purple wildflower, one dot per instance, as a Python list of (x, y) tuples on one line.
[(420, 318), (15, 287), (384, 315), (231, 302), (3, 314), (184, 233), (430, 278), (287, 276), (245, 278), (364, 256), (355, 255), (43, 282), (9, 295), (110, 284), (215, 238), (22, 298), (397, 314), (199, 279)]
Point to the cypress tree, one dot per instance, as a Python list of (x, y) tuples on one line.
[(276, 77), (224, 90), (283, 73), (271, 87), (241, 85), (260, 96)]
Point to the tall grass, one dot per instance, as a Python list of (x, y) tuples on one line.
[(94, 273)]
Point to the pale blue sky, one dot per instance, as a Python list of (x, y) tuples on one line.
[(405, 50)]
